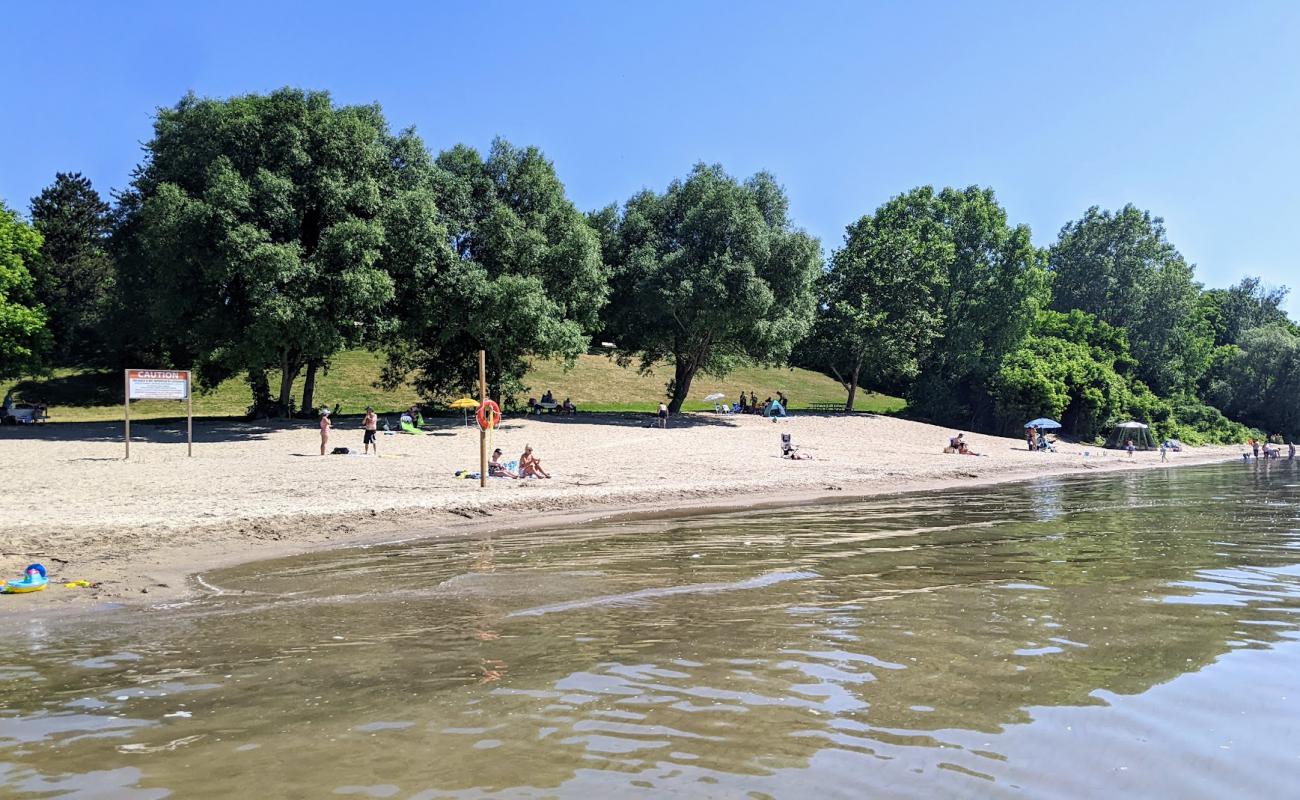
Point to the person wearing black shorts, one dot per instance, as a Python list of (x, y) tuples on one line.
[(371, 424)]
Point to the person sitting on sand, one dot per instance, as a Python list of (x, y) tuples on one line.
[(530, 466), (956, 442), (324, 429), (791, 451), (965, 450), (496, 469), (568, 407)]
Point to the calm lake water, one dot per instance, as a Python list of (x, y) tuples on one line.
[(1124, 636)]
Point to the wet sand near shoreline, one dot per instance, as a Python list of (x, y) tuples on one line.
[(141, 529)]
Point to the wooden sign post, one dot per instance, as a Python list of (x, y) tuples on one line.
[(158, 384), (482, 431)]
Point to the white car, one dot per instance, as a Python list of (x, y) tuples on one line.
[(16, 412)]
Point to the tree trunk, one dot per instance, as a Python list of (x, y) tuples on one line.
[(289, 366), (261, 390), (853, 390), (309, 386), (683, 374)]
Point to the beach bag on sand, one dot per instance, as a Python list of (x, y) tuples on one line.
[(340, 451)]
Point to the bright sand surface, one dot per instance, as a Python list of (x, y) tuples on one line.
[(141, 528)]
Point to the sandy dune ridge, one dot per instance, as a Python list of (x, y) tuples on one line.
[(141, 527)]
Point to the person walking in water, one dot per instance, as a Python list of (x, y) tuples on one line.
[(1129, 447), (324, 429), (371, 425)]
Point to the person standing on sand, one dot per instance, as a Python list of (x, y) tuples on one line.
[(371, 425), (663, 415), (324, 429)]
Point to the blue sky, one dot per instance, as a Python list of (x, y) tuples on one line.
[(1189, 109)]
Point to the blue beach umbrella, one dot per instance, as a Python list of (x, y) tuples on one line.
[(1044, 423)]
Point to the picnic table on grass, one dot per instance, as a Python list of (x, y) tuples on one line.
[(826, 407)]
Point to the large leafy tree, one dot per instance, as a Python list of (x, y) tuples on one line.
[(1071, 367), (264, 230), (709, 274), (1261, 379), (74, 275), (877, 311), (22, 319), (991, 290), (1119, 267), (523, 279), (1249, 304)]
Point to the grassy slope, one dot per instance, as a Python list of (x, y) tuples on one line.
[(595, 384)]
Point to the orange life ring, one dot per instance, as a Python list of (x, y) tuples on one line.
[(488, 414)]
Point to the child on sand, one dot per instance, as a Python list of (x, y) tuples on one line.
[(371, 425), (324, 429)]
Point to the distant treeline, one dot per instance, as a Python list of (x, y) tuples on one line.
[(264, 234)]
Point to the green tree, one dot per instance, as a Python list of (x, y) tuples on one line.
[(1262, 379), (877, 309), (709, 274), (524, 278), (75, 273), (1120, 268), (1249, 304), (993, 286), (1071, 367), (23, 337), (264, 228)]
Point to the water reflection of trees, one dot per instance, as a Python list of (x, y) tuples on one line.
[(931, 616)]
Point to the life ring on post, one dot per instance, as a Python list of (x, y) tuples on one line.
[(488, 414)]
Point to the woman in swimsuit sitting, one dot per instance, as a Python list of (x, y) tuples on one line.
[(530, 466), (496, 469)]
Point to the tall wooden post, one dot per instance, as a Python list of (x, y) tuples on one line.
[(482, 432), (189, 413), (126, 404)]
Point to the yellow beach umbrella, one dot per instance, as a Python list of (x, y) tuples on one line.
[(465, 403)]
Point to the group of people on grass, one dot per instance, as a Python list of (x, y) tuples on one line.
[(547, 403), (750, 404)]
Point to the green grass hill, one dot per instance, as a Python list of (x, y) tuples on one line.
[(594, 384)]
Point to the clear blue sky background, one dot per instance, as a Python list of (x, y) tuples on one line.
[(1189, 109)]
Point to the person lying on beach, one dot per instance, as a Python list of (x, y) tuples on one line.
[(496, 469), (530, 466)]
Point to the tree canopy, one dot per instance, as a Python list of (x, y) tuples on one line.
[(877, 302), (22, 319), (523, 277), (1119, 267), (706, 275), (74, 276), (993, 286), (265, 226)]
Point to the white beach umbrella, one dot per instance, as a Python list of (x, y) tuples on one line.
[(715, 396)]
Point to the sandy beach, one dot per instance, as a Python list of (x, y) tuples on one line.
[(142, 528)]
